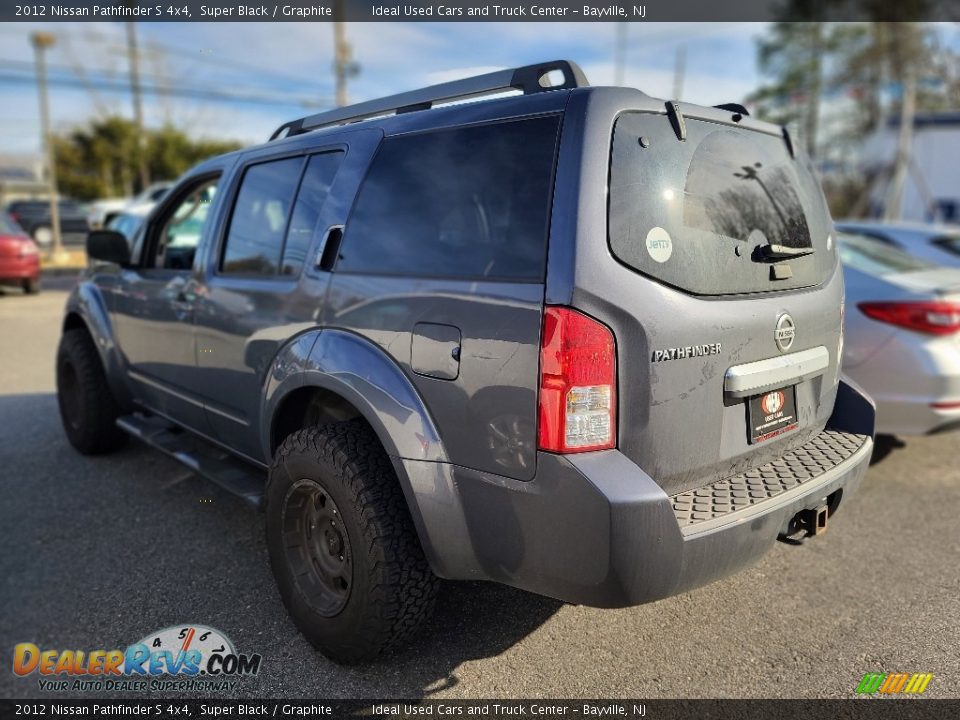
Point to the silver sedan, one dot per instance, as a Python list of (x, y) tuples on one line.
[(939, 244), (902, 339)]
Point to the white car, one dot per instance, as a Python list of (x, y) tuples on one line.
[(102, 211), (902, 338), (938, 244)]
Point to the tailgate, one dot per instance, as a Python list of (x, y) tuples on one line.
[(724, 293)]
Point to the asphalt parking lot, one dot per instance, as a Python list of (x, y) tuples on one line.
[(98, 552)]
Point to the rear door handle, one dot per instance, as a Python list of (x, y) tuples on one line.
[(329, 248)]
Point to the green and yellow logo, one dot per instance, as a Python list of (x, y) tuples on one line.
[(894, 683)]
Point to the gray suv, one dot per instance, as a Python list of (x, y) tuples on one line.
[(575, 340)]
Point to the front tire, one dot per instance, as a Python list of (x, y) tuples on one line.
[(87, 407), (31, 286), (342, 545)]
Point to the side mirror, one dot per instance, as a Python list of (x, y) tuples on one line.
[(108, 246)]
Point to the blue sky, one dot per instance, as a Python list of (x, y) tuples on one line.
[(284, 64)]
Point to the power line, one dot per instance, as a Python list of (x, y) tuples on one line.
[(207, 57), (13, 71)]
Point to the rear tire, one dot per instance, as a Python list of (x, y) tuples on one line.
[(31, 286), (342, 545), (87, 407)]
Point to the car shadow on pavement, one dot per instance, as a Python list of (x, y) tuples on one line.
[(883, 445), (473, 620)]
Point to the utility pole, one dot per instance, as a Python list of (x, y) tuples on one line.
[(341, 53), (812, 120), (134, 59), (41, 42), (620, 55), (904, 53), (901, 165), (679, 71)]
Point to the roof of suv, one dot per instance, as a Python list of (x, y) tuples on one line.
[(469, 100)]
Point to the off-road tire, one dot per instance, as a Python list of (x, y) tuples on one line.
[(391, 587), (31, 286), (87, 407)]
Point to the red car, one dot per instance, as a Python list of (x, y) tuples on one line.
[(19, 257)]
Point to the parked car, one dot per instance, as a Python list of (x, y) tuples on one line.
[(575, 340), (19, 257), (102, 211), (938, 244), (902, 336), (34, 217)]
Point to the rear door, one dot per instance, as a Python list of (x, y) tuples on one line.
[(720, 282), (262, 283)]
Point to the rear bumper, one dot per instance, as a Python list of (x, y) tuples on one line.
[(595, 529)]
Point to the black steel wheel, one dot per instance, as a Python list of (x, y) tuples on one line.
[(317, 547), (343, 548)]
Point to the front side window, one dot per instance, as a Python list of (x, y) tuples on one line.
[(469, 202), (255, 238), (181, 230)]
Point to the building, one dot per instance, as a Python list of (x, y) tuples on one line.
[(20, 178), (932, 189)]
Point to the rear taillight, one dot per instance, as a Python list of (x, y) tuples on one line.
[(934, 317), (28, 249), (578, 383)]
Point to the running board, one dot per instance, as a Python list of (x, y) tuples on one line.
[(206, 459)]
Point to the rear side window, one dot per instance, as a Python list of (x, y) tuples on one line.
[(259, 222), (314, 188), (706, 214), (470, 202)]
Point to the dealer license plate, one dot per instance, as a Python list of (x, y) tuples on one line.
[(771, 414)]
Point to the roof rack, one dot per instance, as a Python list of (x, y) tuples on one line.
[(530, 79)]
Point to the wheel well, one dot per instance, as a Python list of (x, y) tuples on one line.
[(74, 322), (308, 406)]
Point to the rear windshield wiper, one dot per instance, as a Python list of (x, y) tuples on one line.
[(773, 251)]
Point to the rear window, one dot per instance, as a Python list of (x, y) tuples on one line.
[(701, 214), (29, 207), (950, 243), (874, 257), (470, 202), (8, 226)]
